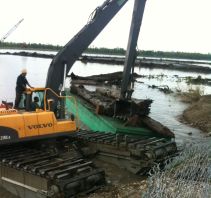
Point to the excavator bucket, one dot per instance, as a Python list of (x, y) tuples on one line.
[(126, 108)]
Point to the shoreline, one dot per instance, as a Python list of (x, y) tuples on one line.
[(140, 62), (198, 114)]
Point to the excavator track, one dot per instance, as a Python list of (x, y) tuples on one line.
[(134, 153), (32, 172), (66, 168)]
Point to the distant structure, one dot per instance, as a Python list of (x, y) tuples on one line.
[(11, 30)]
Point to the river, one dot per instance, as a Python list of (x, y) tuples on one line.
[(166, 108)]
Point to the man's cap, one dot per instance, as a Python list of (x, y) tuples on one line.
[(23, 71)]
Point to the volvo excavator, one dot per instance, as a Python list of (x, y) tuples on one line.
[(45, 153)]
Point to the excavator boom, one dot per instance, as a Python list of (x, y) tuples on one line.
[(80, 42), (138, 12)]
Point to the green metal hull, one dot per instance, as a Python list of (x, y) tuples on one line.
[(89, 119)]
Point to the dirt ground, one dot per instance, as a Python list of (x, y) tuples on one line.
[(120, 183), (6, 194), (198, 114)]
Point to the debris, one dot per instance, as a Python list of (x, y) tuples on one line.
[(163, 88)]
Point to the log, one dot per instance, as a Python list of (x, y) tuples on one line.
[(99, 78), (157, 127), (84, 82), (102, 104), (112, 93), (110, 106), (105, 79)]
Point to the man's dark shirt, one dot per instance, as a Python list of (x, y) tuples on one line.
[(21, 83)]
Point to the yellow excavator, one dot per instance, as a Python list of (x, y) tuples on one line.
[(29, 122), (37, 157)]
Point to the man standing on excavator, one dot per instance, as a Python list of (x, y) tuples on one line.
[(21, 87)]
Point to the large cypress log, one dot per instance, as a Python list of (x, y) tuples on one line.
[(114, 92), (157, 126), (114, 78), (106, 105)]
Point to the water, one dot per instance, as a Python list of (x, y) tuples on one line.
[(172, 78), (165, 108), (10, 67)]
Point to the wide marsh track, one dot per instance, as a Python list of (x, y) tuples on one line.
[(47, 173), (64, 168), (136, 154)]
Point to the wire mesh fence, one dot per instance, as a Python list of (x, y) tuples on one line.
[(186, 176)]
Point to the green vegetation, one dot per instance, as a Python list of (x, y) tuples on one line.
[(115, 51), (198, 80), (36, 46)]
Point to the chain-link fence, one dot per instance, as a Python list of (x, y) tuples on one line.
[(187, 176)]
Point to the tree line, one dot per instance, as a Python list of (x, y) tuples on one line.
[(107, 51)]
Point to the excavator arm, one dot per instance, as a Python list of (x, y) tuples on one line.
[(128, 71), (67, 56)]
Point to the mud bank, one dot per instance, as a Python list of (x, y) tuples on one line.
[(5, 194), (198, 114)]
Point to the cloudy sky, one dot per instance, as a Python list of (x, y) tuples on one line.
[(168, 25)]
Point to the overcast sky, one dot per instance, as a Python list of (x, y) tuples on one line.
[(168, 25)]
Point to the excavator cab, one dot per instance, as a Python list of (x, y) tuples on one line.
[(42, 99), (32, 99)]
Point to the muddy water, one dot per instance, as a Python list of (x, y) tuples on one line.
[(165, 108)]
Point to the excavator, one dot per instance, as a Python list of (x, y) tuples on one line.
[(45, 153), (28, 123)]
